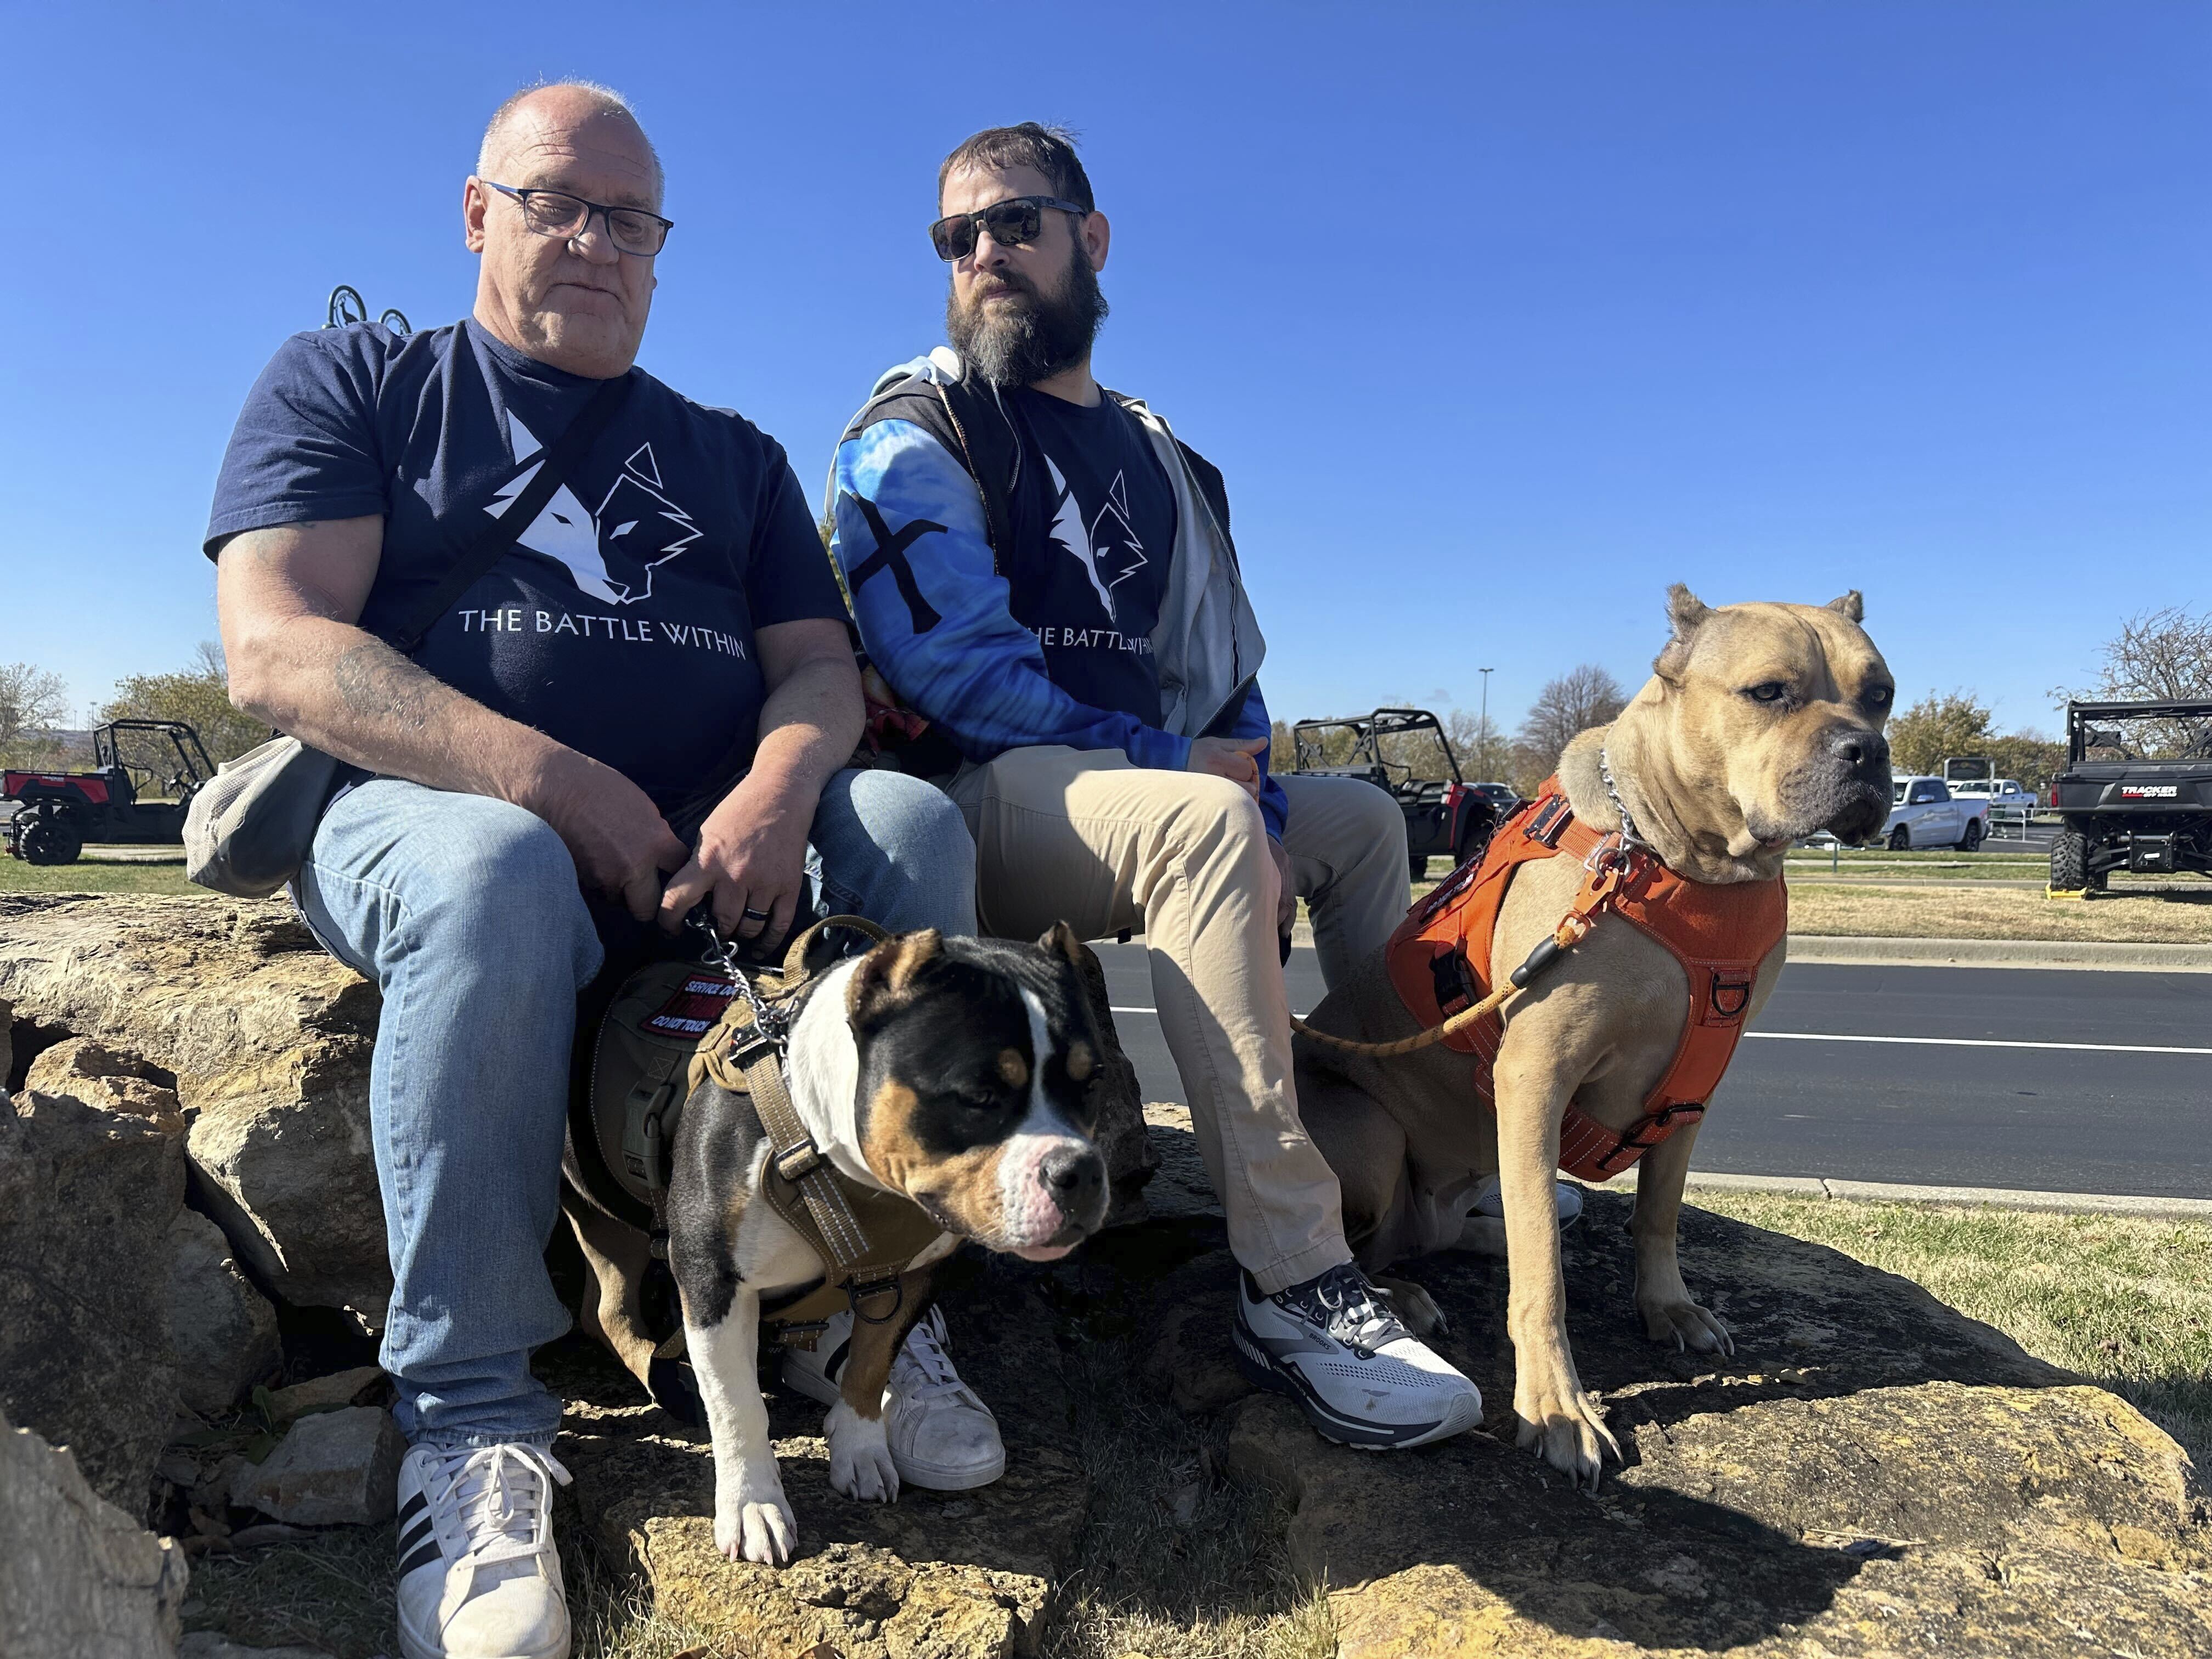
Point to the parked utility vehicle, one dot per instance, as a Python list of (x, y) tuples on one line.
[(2137, 793), (1443, 818), (59, 811), (1923, 812)]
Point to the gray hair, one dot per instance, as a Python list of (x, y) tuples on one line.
[(602, 98)]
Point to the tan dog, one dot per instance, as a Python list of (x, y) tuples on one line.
[(1761, 723)]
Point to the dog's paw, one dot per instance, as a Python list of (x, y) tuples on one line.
[(1416, 1310), (1690, 1329), (1566, 1429), (861, 1464), (756, 1523)]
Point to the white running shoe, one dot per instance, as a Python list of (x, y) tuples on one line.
[(1334, 1345), (942, 1437), (479, 1578)]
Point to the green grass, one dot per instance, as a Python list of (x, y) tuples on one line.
[(2126, 1303), (98, 872)]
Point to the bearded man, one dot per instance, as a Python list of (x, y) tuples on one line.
[(1040, 570)]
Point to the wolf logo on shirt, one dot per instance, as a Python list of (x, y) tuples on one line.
[(612, 554), (1107, 548)]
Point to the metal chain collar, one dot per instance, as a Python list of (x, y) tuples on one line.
[(722, 954), (1629, 835)]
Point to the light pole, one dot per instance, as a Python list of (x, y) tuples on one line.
[(1485, 727)]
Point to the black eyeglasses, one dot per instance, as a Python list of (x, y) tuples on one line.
[(1015, 223), (555, 213)]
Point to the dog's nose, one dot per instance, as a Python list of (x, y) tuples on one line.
[(1074, 1176), (1860, 750)]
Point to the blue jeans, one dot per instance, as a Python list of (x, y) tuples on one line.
[(465, 913)]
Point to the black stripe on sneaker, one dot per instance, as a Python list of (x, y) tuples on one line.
[(413, 1507), (410, 1536), (422, 1558), (835, 1364)]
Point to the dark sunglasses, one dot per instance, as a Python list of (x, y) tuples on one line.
[(1015, 223)]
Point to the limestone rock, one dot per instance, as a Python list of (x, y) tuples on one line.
[(222, 1332), (1188, 1358), (331, 1468), (1179, 1186), (77, 1576), (322, 1394), (1122, 1137), (934, 1576), (268, 1039), (98, 1076), (1872, 1474), (86, 1199)]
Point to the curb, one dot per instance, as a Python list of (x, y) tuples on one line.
[(1848, 949), (2174, 1209)]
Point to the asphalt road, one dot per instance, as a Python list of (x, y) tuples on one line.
[(1984, 1077)]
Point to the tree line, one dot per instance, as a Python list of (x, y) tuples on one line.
[(2164, 655), (35, 713)]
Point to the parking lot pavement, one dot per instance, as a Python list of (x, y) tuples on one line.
[(2056, 1080)]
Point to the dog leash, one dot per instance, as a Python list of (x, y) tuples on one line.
[(752, 1062), (1608, 864)]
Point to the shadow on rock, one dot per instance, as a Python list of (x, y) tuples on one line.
[(935, 1573), (1871, 1473)]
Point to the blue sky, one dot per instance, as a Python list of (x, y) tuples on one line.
[(1498, 318)]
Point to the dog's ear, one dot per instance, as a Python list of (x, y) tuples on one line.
[(1852, 605), (1687, 613), (880, 982), (1061, 941)]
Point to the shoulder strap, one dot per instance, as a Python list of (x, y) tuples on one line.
[(498, 534)]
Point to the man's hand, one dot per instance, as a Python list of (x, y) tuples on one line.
[(621, 843), (1233, 758), (751, 857), (1286, 906)]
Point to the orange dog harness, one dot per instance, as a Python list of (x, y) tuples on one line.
[(1439, 962)]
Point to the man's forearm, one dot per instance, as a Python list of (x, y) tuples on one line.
[(349, 694), (808, 727)]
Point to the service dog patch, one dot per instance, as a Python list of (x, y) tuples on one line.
[(695, 1007)]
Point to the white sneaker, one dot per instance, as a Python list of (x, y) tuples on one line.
[(479, 1578), (1334, 1345), (942, 1437), (1490, 1201)]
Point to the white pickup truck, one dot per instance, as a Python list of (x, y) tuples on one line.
[(1923, 812), (2010, 803)]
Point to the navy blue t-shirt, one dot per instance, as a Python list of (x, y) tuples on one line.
[(621, 622), (1093, 594)]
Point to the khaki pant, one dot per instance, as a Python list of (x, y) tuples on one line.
[(1086, 837)]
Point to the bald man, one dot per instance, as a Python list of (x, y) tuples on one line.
[(645, 704)]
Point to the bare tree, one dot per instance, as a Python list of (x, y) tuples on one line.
[(32, 700), (2158, 655), (1572, 703)]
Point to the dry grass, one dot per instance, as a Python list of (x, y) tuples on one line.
[(2126, 1303), (1179, 1563), (333, 1591), (2172, 915)]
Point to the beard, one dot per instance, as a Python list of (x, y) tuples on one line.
[(1034, 335)]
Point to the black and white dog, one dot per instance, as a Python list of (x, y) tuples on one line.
[(954, 1072)]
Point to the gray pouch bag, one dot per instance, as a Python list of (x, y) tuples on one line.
[(248, 830)]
